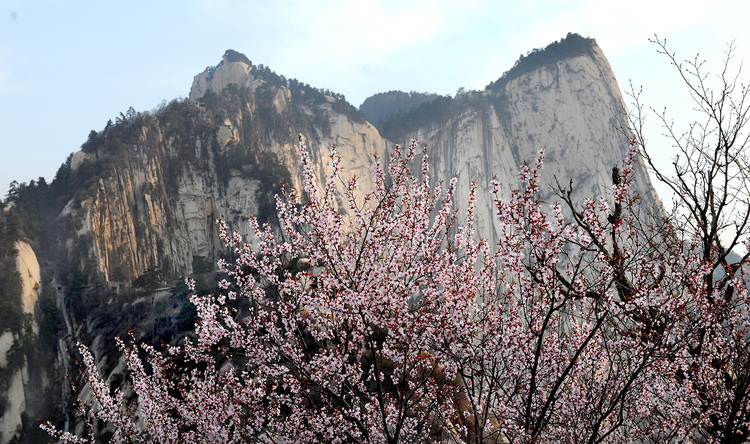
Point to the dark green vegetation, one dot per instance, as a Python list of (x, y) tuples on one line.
[(398, 126), (150, 280), (571, 46), (233, 56), (11, 313), (384, 106)]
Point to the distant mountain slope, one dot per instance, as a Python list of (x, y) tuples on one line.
[(391, 104)]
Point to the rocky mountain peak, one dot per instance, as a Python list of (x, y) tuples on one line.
[(571, 46), (234, 68)]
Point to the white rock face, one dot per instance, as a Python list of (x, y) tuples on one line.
[(79, 157), (218, 78), (10, 422), (28, 267), (571, 109)]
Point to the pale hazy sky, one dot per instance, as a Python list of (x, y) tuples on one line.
[(66, 67)]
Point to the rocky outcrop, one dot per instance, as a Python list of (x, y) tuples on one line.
[(13, 366), (164, 187), (31, 279), (217, 78)]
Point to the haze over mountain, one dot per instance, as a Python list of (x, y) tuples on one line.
[(105, 245)]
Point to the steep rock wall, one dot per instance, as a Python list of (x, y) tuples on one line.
[(571, 109), (217, 78), (162, 191), (11, 344)]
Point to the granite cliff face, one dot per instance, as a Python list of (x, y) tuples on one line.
[(233, 69), (157, 203), (141, 197), (570, 106), (12, 365)]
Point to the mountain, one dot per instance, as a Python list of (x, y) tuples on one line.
[(563, 99), (133, 212)]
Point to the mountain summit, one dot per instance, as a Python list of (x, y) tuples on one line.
[(235, 68)]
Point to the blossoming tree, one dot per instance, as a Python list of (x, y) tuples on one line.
[(389, 320), (391, 323)]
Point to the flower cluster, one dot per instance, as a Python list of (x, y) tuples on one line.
[(382, 319)]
